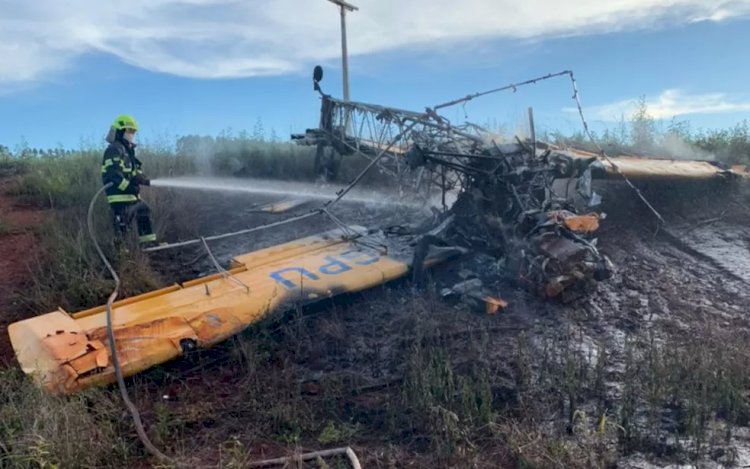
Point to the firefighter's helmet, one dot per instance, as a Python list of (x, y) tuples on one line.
[(125, 122)]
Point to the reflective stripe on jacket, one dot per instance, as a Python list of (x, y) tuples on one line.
[(119, 166)]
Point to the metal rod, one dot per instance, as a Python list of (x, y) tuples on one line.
[(314, 455), (375, 108), (224, 273), (532, 130), (343, 7), (442, 186), (425, 118), (356, 180), (344, 54), (464, 155), (444, 127), (235, 233), (604, 155), (507, 87)]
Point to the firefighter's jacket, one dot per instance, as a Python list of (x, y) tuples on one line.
[(120, 167)]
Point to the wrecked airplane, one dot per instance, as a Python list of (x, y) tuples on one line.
[(501, 200)]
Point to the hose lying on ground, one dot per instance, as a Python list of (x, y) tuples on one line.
[(121, 381), (111, 337)]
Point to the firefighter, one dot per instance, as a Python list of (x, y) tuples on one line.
[(123, 170)]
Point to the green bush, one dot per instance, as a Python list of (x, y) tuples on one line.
[(58, 182), (641, 134), (70, 180)]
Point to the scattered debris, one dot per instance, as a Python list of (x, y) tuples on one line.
[(317, 455), (506, 204), (505, 198), (472, 293)]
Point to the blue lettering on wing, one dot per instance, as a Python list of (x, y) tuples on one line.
[(278, 276), (334, 266), (360, 257)]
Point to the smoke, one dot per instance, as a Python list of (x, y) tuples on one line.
[(201, 150), (492, 137), (676, 147)]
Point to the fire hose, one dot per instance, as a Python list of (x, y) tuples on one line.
[(133, 410), (111, 338)]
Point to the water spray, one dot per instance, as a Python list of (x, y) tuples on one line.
[(281, 188)]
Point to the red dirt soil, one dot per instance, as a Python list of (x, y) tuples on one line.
[(17, 243)]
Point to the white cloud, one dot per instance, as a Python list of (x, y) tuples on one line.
[(236, 38), (670, 103)]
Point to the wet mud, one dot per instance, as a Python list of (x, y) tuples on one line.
[(670, 279)]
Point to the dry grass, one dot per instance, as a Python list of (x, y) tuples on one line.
[(37, 430), (391, 374), (444, 404)]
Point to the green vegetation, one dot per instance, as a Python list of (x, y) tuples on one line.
[(549, 403), (537, 403), (68, 181), (244, 156), (254, 156), (41, 431), (641, 134), (62, 178)]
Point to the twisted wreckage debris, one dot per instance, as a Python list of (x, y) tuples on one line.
[(512, 200), (507, 203), (508, 208)]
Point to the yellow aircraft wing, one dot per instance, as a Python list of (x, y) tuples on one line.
[(65, 353), (643, 168)]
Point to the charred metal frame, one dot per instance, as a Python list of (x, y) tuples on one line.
[(506, 204)]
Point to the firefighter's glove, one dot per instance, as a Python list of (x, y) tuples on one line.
[(141, 180)]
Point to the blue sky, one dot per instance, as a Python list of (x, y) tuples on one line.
[(207, 66)]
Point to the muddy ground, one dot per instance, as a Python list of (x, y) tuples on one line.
[(350, 362), (670, 283)]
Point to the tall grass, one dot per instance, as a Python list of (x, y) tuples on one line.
[(546, 403), (641, 134), (41, 431), (69, 181), (243, 156), (65, 268), (258, 157)]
